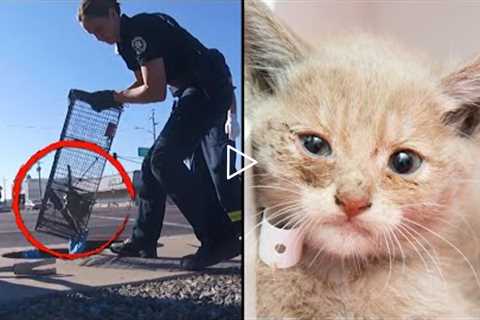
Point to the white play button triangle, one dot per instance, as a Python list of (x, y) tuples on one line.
[(249, 162)]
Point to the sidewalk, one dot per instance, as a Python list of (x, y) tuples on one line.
[(103, 270)]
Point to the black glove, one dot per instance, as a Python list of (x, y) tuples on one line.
[(102, 100), (76, 94), (98, 100)]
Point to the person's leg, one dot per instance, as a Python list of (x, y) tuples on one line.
[(152, 199), (223, 249), (214, 147), (191, 119), (200, 169), (151, 212)]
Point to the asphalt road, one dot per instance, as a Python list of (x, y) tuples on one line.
[(102, 224)]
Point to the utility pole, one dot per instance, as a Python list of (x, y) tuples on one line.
[(4, 189), (39, 170), (154, 125)]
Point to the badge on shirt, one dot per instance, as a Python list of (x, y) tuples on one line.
[(139, 45)]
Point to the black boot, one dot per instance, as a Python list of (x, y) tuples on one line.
[(210, 254), (131, 248)]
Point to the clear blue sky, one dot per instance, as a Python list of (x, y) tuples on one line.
[(45, 53)]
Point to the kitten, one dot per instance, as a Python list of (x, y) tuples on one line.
[(373, 154)]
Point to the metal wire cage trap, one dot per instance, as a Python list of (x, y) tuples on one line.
[(76, 173)]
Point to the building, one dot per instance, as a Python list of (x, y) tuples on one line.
[(31, 189), (112, 192)]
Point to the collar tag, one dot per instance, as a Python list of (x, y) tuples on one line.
[(279, 248)]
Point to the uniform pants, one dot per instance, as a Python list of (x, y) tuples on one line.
[(164, 172), (214, 150)]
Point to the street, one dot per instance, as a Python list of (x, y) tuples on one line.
[(102, 224)]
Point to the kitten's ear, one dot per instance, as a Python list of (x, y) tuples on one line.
[(464, 87), (270, 47)]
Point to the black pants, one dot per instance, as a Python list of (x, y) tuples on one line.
[(164, 172), (214, 151)]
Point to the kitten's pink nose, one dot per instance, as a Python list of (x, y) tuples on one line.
[(352, 206)]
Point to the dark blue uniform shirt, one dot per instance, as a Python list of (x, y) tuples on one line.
[(145, 37)]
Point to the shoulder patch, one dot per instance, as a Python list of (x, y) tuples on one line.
[(139, 45)]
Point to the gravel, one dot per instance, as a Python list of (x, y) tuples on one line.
[(199, 296)]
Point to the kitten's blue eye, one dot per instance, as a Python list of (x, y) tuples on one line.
[(405, 162), (315, 145)]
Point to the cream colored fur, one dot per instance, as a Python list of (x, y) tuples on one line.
[(368, 97)]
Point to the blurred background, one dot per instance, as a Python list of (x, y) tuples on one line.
[(442, 29)]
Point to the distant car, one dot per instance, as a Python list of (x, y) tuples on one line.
[(4, 208)]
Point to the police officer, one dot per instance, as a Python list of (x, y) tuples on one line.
[(161, 53)]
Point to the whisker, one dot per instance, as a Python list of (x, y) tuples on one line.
[(407, 232), (275, 214), (435, 257), (390, 267), (451, 245), (275, 206), (298, 218), (402, 254), (421, 204), (315, 257)]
